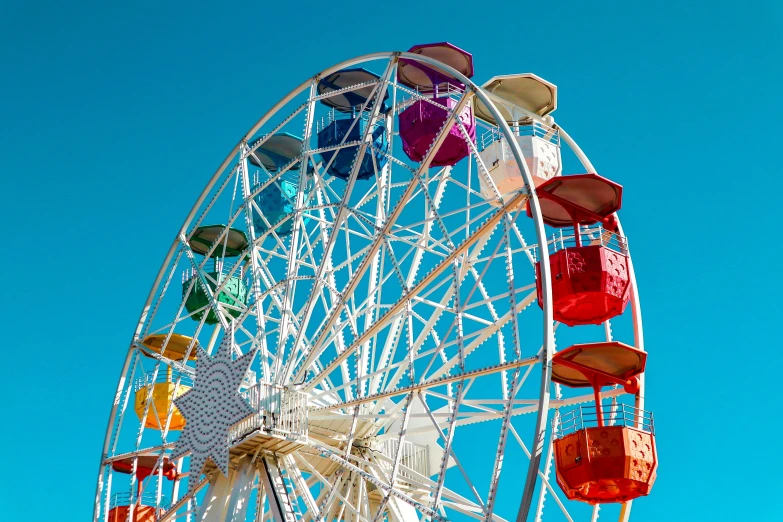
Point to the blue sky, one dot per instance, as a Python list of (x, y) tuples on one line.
[(113, 117)]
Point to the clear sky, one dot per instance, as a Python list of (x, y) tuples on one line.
[(113, 117)]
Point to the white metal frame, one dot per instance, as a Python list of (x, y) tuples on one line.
[(360, 469)]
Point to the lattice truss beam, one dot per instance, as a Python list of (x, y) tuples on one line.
[(401, 306)]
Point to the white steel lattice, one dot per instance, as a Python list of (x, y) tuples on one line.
[(389, 361)]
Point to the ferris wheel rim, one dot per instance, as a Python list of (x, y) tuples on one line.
[(543, 405), (541, 237), (636, 309)]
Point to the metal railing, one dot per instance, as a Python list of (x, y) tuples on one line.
[(147, 499), (278, 410), (444, 89), (414, 456), (589, 236), (163, 377), (334, 115), (291, 176), (216, 269), (408, 96), (612, 415), (536, 130)]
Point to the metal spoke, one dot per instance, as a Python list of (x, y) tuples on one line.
[(390, 301)]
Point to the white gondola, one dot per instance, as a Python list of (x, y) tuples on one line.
[(540, 146), (525, 102)]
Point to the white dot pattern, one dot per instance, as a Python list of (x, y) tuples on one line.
[(211, 407)]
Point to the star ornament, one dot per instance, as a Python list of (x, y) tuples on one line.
[(211, 407)]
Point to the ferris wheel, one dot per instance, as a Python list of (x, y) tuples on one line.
[(389, 303)]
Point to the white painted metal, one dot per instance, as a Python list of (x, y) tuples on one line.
[(242, 487), (276, 492), (382, 296), (541, 148), (215, 507)]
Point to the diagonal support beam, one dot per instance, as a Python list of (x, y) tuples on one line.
[(276, 492), (431, 384), (445, 264), (378, 241), (342, 213)]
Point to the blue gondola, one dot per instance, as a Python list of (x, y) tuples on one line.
[(347, 123), (277, 200)]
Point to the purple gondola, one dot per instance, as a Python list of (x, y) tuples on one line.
[(421, 122)]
